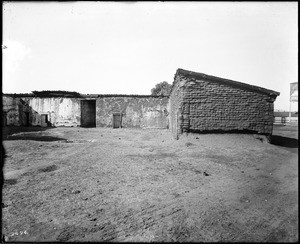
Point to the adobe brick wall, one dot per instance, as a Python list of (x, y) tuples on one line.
[(207, 105), (137, 112)]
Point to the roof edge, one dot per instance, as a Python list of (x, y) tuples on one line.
[(78, 95), (226, 81)]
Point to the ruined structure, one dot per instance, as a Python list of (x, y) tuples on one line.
[(198, 103), (204, 103), (54, 109)]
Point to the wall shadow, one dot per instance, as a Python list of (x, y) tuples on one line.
[(21, 110), (284, 141), (9, 130), (245, 131), (28, 135), (26, 115), (10, 133)]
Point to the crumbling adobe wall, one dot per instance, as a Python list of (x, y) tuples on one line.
[(137, 111), (11, 110), (60, 111), (176, 98), (212, 106)]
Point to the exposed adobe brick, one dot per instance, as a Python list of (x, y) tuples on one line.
[(198, 104)]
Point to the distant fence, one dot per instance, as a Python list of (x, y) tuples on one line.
[(284, 120)]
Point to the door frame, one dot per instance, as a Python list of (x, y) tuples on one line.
[(46, 120), (113, 120), (81, 113)]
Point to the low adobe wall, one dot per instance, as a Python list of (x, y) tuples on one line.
[(10, 110), (137, 111), (60, 111)]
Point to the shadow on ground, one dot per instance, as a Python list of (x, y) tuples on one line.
[(9, 131), (284, 141), (224, 131), (34, 138)]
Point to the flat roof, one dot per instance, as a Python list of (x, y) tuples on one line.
[(78, 95)]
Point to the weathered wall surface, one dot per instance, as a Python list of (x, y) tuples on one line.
[(11, 110), (137, 112), (60, 111), (176, 102), (213, 106)]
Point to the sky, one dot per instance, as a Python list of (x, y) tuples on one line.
[(129, 47)]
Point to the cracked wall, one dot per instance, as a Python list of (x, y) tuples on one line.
[(199, 105), (60, 111), (137, 112)]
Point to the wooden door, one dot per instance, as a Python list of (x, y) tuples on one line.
[(117, 120)]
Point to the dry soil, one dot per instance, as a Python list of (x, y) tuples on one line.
[(102, 184)]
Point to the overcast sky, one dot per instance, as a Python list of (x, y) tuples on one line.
[(127, 47)]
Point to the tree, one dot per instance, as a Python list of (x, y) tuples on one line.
[(161, 89)]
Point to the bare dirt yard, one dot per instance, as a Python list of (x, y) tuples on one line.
[(100, 184)]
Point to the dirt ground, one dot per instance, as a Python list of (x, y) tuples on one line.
[(101, 184)]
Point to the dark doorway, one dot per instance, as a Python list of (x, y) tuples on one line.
[(27, 119), (117, 120), (88, 113), (4, 119)]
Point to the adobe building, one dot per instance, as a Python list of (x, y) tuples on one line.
[(204, 103), (56, 108), (197, 103)]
